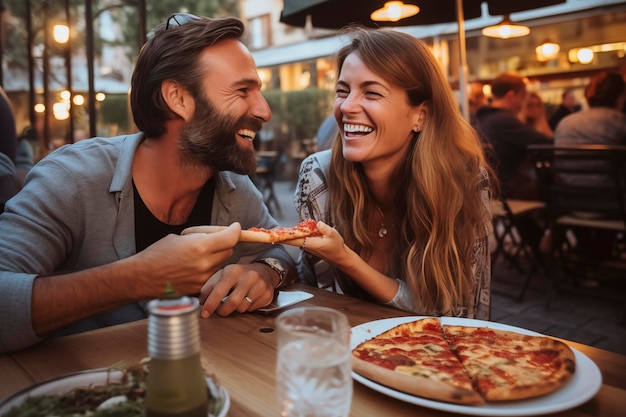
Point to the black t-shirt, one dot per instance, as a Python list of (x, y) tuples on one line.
[(149, 229)]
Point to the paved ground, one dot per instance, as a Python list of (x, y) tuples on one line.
[(578, 318)]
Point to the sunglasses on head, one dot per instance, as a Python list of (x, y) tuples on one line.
[(179, 19), (176, 19)]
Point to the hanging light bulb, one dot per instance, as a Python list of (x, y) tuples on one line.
[(394, 11), (584, 55), (547, 50), (506, 29)]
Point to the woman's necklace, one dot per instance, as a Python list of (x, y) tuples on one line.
[(382, 232)]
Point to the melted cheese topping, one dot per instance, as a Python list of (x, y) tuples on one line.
[(420, 355), (494, 360)]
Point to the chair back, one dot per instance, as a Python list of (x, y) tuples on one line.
[(585, 180)]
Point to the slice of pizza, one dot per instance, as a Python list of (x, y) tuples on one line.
[(295, 234), (415, 358), (507, 365), (306, 228)]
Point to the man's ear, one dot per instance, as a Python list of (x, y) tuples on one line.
[(178, 99)]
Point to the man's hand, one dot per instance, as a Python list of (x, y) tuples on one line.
[(238, 287), (184, 261), (188, 261)]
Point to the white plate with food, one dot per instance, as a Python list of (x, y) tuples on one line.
[(582, 386), (99, 378)]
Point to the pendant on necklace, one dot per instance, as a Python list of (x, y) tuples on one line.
[(382, 232)]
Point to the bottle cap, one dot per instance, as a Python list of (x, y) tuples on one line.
[(173, 328)]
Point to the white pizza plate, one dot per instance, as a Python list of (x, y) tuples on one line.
[(64, 384), (583, 385)]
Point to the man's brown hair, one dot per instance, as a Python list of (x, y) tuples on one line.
[(506, 82), (171, 53), (604, 90)]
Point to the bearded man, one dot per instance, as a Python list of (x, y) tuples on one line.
[(96, 230)]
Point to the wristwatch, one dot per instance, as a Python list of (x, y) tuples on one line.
[(276, 266)]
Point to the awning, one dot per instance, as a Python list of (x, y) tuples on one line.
[(302, 51)]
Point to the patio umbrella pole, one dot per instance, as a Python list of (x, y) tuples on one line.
[(463, 71)]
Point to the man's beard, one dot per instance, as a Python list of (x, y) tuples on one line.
[(209, 138)]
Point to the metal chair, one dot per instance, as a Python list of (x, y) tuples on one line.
[(264, 177), (584, 189), (511, 218), (511, 243)]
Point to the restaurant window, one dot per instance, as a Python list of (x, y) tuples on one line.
[(261, 31)]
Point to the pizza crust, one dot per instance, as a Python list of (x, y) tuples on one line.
[(244, 236), (202, 229), (416, 385)]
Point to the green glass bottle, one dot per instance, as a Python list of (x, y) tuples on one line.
[(176, 386)]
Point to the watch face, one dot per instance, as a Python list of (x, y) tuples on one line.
[(275, 264)]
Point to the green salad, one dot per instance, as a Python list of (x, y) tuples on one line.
[(88, 401)]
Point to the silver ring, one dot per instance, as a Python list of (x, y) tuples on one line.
[(248, 299), (303, 244)]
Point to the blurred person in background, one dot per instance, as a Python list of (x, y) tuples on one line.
[(25, 157), (402, 198), (8, 150), (326, 133), (534, 114), (509, 137), (568, 106), (476, 99), (500, 125), (603, 122), (10, 176), (106, 214)]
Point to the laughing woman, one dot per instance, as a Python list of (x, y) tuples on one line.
[(402, 198)]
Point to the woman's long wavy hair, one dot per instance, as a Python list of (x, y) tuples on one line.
[(439, 201)]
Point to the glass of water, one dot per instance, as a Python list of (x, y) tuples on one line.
[(313, 364)]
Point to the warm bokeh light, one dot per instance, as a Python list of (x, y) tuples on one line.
[(506, 29), (584, 55), (394, 11), (61, 33), (61, 111), (40, 108), (587, 54), (65, 95), (79, 100), (100, 96), (547, 50)]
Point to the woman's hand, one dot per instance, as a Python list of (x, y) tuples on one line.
[(329, 247)]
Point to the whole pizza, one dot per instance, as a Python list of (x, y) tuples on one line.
[(462, 364)]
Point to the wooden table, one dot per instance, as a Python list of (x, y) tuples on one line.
[(241, 351)]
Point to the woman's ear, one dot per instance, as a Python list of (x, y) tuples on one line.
[(419, 117), (178, 99)]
